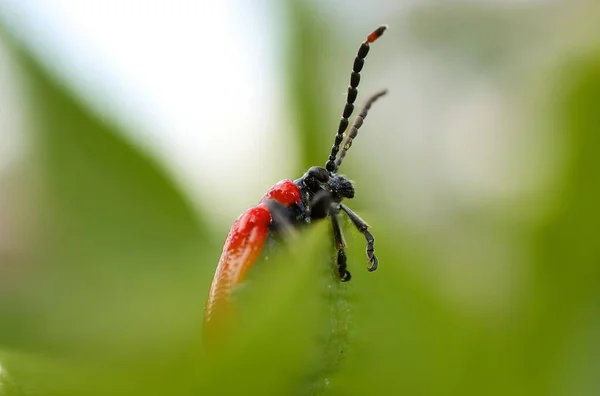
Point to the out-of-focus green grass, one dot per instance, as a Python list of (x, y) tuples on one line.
[(117, 267)]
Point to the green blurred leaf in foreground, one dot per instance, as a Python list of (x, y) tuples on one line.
[(116, 271)]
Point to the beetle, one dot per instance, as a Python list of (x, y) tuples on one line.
[(317, 195)]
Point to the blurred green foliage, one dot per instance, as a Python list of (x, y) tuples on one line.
[(119, 266)]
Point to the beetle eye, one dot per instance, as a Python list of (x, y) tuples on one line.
[(319, 174)]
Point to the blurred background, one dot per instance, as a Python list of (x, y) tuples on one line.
[(132, 134)]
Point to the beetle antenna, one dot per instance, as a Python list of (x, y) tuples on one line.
[(359, 62), (358, 121)]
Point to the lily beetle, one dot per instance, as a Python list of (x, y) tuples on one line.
[(318, 194)]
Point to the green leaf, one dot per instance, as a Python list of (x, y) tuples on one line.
[(118, 262)]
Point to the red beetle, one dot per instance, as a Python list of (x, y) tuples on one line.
[(316, 195)]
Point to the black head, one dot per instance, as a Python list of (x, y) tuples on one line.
[(320, 188), (318, 180)]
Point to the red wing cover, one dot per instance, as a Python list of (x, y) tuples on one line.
[(242, 249)]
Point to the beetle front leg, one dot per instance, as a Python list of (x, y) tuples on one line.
[(320, 206), (362, 226), (340, 244)]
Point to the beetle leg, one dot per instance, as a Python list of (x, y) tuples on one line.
[(320, 205), (281, 219), (362, 226), (340, 244)]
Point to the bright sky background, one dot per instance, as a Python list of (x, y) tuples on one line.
[(185, 79)]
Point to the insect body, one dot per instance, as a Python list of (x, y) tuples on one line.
[(318, 194)]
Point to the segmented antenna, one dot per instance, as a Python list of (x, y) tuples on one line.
[(359, 62), (358, 121)]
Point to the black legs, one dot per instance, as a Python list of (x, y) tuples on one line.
[(362, 226), (340, 243)]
